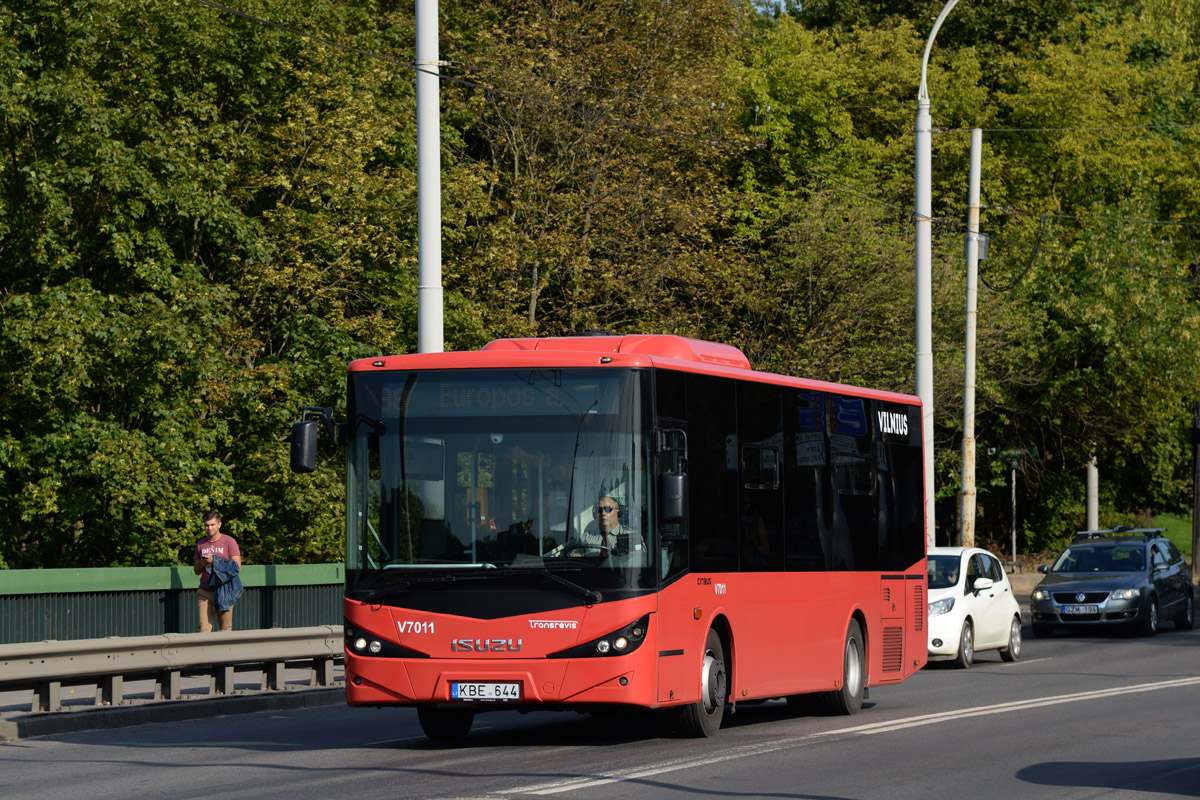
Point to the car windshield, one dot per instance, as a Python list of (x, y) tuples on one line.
[(943, 571), (1101, 558)]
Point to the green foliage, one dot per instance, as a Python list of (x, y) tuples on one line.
[(1179, 531), (205, 220), (202, 219)]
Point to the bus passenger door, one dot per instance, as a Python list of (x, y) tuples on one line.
[(676, 626)]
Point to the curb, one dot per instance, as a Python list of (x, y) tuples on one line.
[(48, 723)]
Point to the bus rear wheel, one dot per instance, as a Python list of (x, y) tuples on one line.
[(445, 724), (703, 718), (849, 698)]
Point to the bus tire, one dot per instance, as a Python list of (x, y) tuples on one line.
[(445, 724), (848, 699), (703, 718)]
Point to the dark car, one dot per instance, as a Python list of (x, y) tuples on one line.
[(1132, 577)]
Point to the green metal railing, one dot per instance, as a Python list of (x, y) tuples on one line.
[(67, 604)]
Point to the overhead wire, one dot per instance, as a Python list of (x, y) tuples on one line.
[(721, 142), (1023, 100), (1077, 129), (777, 107)]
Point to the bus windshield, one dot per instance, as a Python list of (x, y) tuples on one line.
[(498, 474)]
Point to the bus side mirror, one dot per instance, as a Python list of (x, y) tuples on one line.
[(672, 497), (304, 445)]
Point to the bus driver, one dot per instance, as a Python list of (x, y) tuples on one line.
[(604, 535)]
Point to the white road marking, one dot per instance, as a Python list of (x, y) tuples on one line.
[(748, 751), (1019, 705)]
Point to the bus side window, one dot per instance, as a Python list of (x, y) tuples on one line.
[(761, 489), (713, 479), (805, 458)]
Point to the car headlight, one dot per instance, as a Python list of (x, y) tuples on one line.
[(939, 607), (1125, 594), (1041, 594)]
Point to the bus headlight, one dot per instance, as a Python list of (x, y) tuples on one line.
[(619, 642)]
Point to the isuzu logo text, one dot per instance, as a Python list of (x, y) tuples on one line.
[(485, 645)]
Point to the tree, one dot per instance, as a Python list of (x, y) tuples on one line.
[(206, 219)]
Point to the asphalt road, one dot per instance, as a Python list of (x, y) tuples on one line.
[(1098, 716)]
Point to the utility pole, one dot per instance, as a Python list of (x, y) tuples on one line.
[(1093, 495), (1013, 456), (966, 508), (429, 181), (1013, 481), (923, 214)]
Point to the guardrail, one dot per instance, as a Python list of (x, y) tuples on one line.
[(44, 668)]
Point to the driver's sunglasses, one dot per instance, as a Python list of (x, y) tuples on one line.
[(606, 509)]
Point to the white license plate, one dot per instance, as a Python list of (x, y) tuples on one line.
[(1081, 609), (504, 692)]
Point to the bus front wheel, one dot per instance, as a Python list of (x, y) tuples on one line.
[(703, 718), (445, 724)]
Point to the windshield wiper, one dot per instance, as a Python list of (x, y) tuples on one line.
[(591, 595)]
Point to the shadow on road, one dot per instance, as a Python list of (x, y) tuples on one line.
[(1178, 777)]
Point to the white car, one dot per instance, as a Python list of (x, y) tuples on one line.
[(971, 606)]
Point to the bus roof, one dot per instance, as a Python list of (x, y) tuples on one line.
[(614, 350), (663, 346)]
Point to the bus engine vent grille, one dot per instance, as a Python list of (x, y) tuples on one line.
[(893, 649), (919, 608)]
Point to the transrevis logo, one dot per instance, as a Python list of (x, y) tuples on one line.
[(553, 624)]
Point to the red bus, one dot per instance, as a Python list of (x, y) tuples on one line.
[(606, 521)]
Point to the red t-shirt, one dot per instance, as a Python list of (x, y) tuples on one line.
[(224, 547)]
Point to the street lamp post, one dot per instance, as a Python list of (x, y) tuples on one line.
[(429, 181), (923, 208)]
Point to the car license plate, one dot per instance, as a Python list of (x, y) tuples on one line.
[(1081, 609), (503, 692)]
